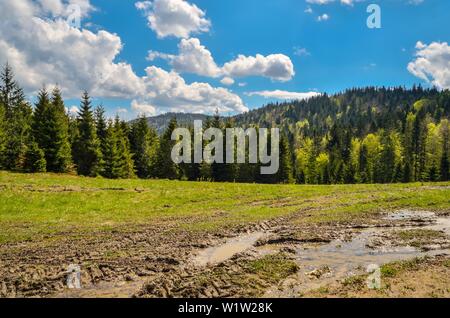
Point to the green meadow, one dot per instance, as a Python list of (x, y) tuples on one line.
[(35, 207)]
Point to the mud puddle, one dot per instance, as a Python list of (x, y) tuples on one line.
[(339, 259), (220, 253), (409, 215)]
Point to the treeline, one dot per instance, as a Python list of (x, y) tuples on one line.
[(372, 135)]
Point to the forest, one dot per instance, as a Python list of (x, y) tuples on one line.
[(362, 135)]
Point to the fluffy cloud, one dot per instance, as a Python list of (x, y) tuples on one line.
[(320, 2), (227, 81), (143, 108), (195, 58), (192, 58), (300, 51), (323, 17), (278, 94), (43, 49), (176, 18), (169, 91), (432, 64), (275, 66)]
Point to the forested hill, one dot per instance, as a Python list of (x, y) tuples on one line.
[(364, 110)]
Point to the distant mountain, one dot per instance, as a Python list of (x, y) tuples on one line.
[(161, 122)]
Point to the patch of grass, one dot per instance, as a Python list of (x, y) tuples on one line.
[(357, 282), (418, 237), (323, 290), (37, 207), (422, 234), (389, 270), (393, 269), (273, 268)]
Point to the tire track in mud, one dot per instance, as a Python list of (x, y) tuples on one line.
[(153, 262), (112, 264), (322, 255)]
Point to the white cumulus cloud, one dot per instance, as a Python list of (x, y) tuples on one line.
[(176, 18), (227, 81), (143, 108), (432, 64), (195, 58), (170, 92), (323, 17), (284, 95), (275, 66), (192, 58), (344, 2)]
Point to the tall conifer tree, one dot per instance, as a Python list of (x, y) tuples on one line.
[(87, 154), (18, 114)]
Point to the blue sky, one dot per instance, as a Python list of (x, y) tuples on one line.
[(330, 55)]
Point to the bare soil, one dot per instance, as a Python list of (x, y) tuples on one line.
[(282, 258)]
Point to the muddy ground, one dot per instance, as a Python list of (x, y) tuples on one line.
[(277, 258)]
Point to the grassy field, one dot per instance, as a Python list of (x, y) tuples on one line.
[(34, 206)]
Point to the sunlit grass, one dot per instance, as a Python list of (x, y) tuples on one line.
[(41, 205)]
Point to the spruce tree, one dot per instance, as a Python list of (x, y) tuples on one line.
[(111, 156), (73, 133), (50, 130), (40, 125), (167, 168), (2, 132), (230, 169), (285, 172), (101, 127), (204, 168), (126, 163), (17, 113), (87, 154), (34, 159), (100, 123), (386, 166), (218, 169), (144, 146), (59, 157)]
